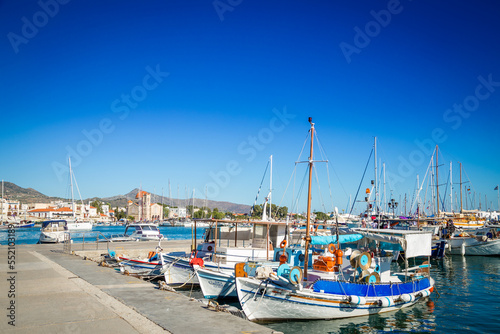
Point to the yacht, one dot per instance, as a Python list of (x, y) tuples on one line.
[(53, 231), (140, 232)]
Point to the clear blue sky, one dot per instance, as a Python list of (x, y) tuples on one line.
[(143, 92)]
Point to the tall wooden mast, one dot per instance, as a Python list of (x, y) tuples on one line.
[(461, 206), (308, 225), (437, 183)]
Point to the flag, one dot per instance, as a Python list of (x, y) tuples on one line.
[(496, 188)]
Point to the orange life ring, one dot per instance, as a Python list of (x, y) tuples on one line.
[(331, 248), (283, 244)]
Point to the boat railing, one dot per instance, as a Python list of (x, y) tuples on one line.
[(93, 237)]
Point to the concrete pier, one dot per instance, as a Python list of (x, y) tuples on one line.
[(48, 291)]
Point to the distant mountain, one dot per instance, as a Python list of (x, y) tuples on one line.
[(29, 195), (121, 200), (25, 195)]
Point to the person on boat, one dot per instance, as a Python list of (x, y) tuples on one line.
[(363, 223), (450, 228)]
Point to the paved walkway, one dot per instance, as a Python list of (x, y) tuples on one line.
[(60, 293)]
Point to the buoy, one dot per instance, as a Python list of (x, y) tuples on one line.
[(356, 300), (423, 293), (339, 254), (283, 244), (239, 270), (407, 298), (332, 248), (385, 302)]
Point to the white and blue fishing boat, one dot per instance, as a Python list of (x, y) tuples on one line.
[(364, 285)]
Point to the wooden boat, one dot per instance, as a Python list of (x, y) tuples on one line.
[(364, 286), (482, 243)]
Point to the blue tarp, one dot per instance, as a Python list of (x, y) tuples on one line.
[(343, 238), (370, 290), (389, 246)]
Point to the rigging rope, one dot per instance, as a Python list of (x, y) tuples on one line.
[(359, 187), (258, 192)]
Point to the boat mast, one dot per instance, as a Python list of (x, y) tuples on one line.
[(1, 220), (451, 187), (71, 183), (437, 184), (270, 186), (308, 225), (385, 198), (461, 206), (376, 180)]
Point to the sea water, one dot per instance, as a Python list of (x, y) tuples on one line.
[(466, 299), (31, 235)]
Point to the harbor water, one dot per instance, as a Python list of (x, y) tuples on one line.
[(465, 300), (31, 235)]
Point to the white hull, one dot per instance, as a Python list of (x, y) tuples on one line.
[(471, 246), (216, 284), (469, 225), (178, 271), (279, 303), (52, 237), (141, 267), (79, 226)]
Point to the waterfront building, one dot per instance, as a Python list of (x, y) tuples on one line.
[(143, 209)]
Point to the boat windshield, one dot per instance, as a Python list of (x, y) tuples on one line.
[(150, 228)]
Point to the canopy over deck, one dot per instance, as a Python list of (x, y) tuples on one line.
[(414, 243)]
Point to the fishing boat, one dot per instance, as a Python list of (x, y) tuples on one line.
[(216, 253), (485, 242), (364, 286), (53, 231), (152, 266)]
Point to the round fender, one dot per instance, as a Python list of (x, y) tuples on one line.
[(356, 300), (385, 302), (407, 298)]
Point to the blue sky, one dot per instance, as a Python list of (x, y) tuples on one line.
[(201, 93)]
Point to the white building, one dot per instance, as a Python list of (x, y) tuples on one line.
[(177, 213)]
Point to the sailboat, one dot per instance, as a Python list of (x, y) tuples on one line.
[(75, 225), (330, 290), (55, 231)]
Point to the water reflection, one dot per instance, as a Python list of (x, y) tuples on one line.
[(419, 318)]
